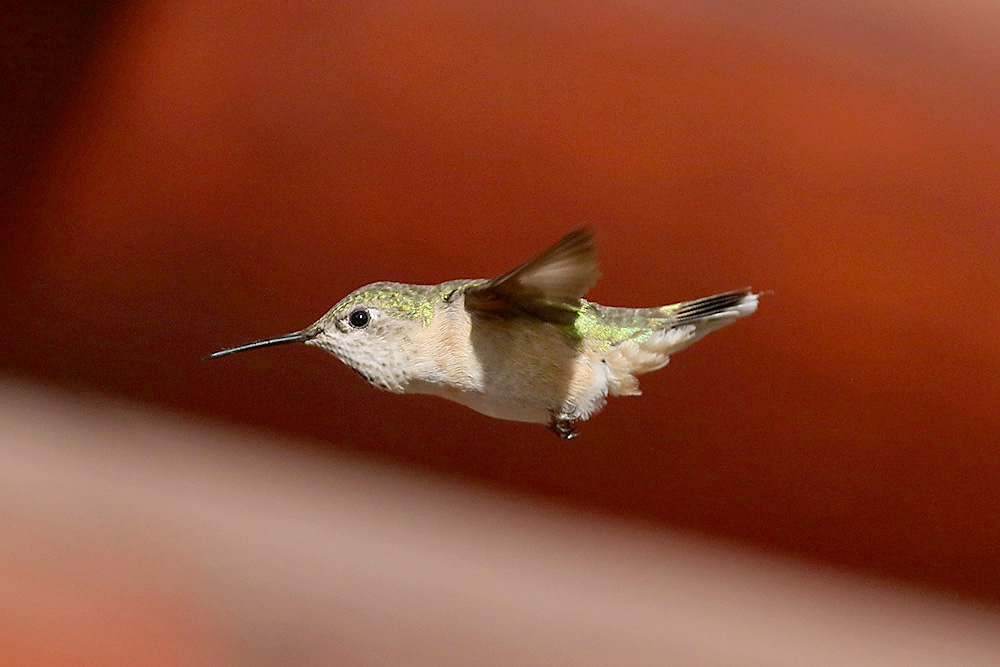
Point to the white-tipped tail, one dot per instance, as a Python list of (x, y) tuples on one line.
[(703, 316), (693, 320)]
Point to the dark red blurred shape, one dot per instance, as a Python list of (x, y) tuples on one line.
[(227, 171)]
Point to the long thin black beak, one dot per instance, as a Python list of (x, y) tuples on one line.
[(297, 337)]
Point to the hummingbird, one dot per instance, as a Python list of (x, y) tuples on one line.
[(524, 346)]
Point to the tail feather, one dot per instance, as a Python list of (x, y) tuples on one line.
[(705, 315), (688, 322), (732, 304)]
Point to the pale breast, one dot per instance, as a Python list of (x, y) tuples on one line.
[(518, 369)]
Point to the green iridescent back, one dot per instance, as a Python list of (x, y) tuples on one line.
[(608, 325), (604, 325)]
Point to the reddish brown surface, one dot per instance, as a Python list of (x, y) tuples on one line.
[(229, 171)]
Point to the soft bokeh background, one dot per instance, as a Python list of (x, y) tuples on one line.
[(184, 176)]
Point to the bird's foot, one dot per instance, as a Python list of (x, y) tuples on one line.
[(564, 428)]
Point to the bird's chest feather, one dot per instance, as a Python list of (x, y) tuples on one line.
[(522, 370)]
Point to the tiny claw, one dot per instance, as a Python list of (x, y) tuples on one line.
[(564, 428)]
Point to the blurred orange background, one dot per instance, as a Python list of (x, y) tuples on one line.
[(187, 176)]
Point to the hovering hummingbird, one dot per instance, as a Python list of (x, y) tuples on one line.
[(524, 346)]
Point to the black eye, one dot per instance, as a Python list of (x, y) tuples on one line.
[(359, 319)]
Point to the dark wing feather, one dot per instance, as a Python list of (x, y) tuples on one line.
[(547, 286)]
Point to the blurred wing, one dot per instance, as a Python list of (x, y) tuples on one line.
[(547, 286)]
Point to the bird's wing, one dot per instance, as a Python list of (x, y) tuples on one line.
[(547, 286)]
